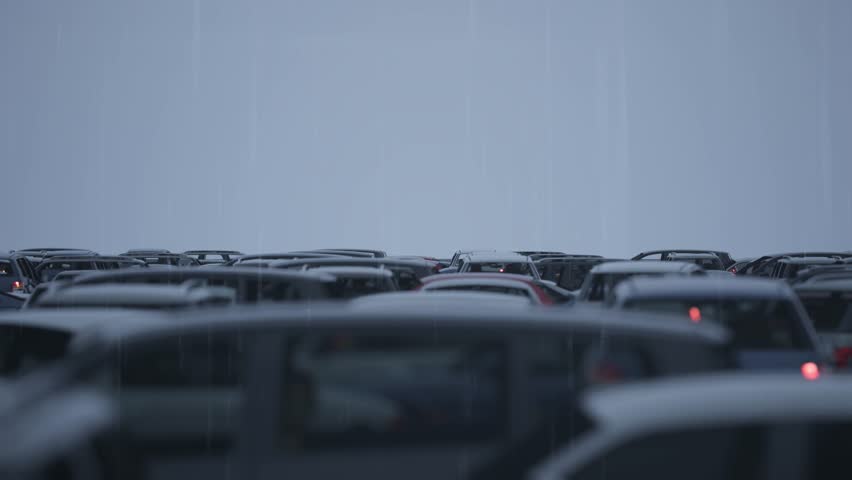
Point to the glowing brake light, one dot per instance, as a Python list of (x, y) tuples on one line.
[(17, 285), (810, 371), (694, 314)]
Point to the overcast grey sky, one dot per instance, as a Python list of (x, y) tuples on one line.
[(599, 126)]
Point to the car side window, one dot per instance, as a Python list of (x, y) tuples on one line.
[(181, 390)]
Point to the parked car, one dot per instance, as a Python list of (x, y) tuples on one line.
[(497, 263), (739, 264), (820, 273), (707, 261), (141, 252), (50, 267), (568, 272), (167, 259), (16, 274), (829, 306), (251, 285), (711, 427), (37, 255), (502, 283), (363, 391), (770, 327), (603, 278), (355, 252), (353, 282), (763, 266), (455, 261), (406, 272), (215, 257), (725, 257), (788, 268), (263, 259)]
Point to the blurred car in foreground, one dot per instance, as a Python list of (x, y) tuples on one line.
[(604, 277), (770, 328), (737, 426), (407, 388)]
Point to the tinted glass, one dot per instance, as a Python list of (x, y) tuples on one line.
[(358, 287), (6, 269), (829, 311), (520, 268), (23, 349), (52, 268), (711, 454), (378, 406), (756, 324), (181, 393), (602, 285)]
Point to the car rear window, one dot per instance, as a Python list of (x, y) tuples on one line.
[(51, 269), (520, 268), (829, 311), (756, 324), (6, 269), (23, 349)]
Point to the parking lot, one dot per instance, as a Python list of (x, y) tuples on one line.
[(485, 364)]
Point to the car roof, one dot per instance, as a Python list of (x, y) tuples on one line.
[(213, 272), (677, 255), (205, 252), (354, 261), (711, 287), (497, 257), (681, 250), (80, 320), (476, 277), (425, 301), (413, 309), (718, 399), (644, 266), (355, 272), (87, 259), (123, 294), (810, 261), (575, 259)]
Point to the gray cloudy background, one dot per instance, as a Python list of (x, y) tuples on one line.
[(599, 126)]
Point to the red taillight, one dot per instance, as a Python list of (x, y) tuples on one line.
[(17, 285), (695, 314), (842, 356), (733, 270), (810, 371)]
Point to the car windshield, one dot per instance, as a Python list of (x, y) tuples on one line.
[(756, 324)]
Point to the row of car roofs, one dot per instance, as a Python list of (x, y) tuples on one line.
[(459, 377)]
